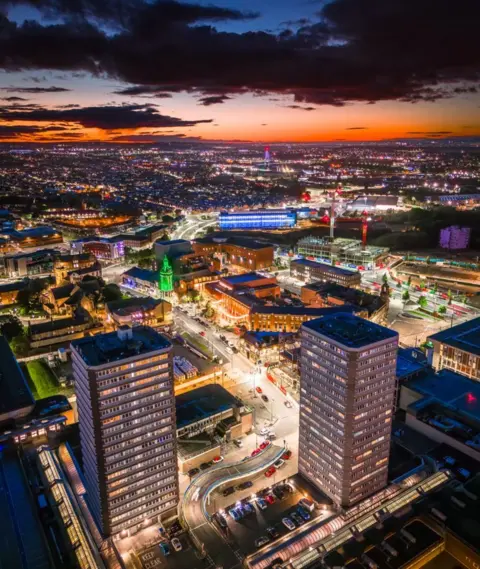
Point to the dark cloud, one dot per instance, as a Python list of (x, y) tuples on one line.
[(34, 90), (13, 99), (106, 117), (151, 138), (431, 133), (357, 128), (213, 100), (358, 50), (300, 108), (14, 131), (143, 90)]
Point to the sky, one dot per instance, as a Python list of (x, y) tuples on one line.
[(238, 70)]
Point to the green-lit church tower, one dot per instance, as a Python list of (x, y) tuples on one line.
[(166, 277)]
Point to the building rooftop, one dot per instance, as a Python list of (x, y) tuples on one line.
[(266, 338), (410, 361), (244, 278), (142, 274), (35, 232), (233, 240), (258, 211), (14, 391), (453, 390), (305, 310), (17, 285), (58, 324), (126, 306), (172, 242), (202, 403), (465, 337), (370, 302), (116, 346), (324, 266), (349, 330)]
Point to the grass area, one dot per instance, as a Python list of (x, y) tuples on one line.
[(197, 344), (423, 314), (41, 380)]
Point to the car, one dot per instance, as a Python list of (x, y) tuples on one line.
[(228, 491), (164, 548), (270, 472), (287, 487), (303, 513), (287, 454), (279, 493), (202, 333), (261, 541), (297, 518), (276, 563), (273, 532), (306, 504), (279, 463), (464, 473), (235, 350), (287, 522), (265, 398), (217, 459), (262, 504), (256, 451), (235, 514), (244, 485), (176, 544), (238, 443), (248, 508), (258, 389), (221, 520), (206, 465), (264, 445), (270, 498), (288, 404), (271, 436), (193, 472), (264, 431), (449, 460)]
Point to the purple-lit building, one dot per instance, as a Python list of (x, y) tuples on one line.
[(454, 237), (104, 248)]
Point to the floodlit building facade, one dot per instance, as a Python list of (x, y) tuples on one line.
[(347, 393), (126, 408)]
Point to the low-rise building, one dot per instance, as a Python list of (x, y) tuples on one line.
[(454, 237), (64, 300), (65, 264), (9, 292), (264, 347), (306, 270), (258, 219), (142, 281), (30, 264), (36, 237), (61, 331), (458, 349), (145, 311), (239, 252), (175, 247), (323, 294), (105, 249)]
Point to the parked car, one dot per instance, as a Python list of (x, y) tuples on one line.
[(265, 398), (287, 454), (449, 460), (306, 504), (288, 404), (177, 544), (261, 541), (297, 518), (221, 519), (264, 431), (279, 463), (273, 532), (464, 473), (303, 513), (164, 548), (264, 445), (235, 514), (279, 493), (248, 508), (262, 504), (228, 491), (256, 451), (270, 472), (217, 459), (202, 333), (206, 465), (258, 389), (271, 436), (245, 485), (238, 443), (193, 472), (287, 522), (270, 498)]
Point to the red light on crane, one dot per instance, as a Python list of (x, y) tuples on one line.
[(471, 398)]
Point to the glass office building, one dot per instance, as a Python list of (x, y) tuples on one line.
[(258, 219)]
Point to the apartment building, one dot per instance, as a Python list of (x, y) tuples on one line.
[(347, 392), (126, 408), (240, 253), (308, 271)]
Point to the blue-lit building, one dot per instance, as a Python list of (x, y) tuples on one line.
[(258, 219)]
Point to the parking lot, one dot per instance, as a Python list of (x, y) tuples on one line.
[(244, 532), (154, 558)]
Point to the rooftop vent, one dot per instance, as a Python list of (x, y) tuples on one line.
[(124, 333)]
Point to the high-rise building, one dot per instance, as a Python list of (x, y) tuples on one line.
[(126, 409), (346, 400)]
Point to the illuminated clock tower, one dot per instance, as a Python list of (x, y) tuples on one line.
[(166, 278)]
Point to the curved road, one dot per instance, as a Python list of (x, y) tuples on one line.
[(193, 506)]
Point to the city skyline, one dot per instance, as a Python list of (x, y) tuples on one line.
[(311, 72)]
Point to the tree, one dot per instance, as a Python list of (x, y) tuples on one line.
[(422, 284), (409, 282), (20, 345), (423, 302), (385, 278), (406, 296), (11, 327), (450, 296), (435, 288), (168, 219), (442, 309), (112, 292)]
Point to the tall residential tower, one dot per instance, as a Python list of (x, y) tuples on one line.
[(346, 403), (126, 408)]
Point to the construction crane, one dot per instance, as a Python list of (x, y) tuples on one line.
[(337, 190), (364, 228)]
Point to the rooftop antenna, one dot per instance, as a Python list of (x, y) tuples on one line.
[(332, 207)]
